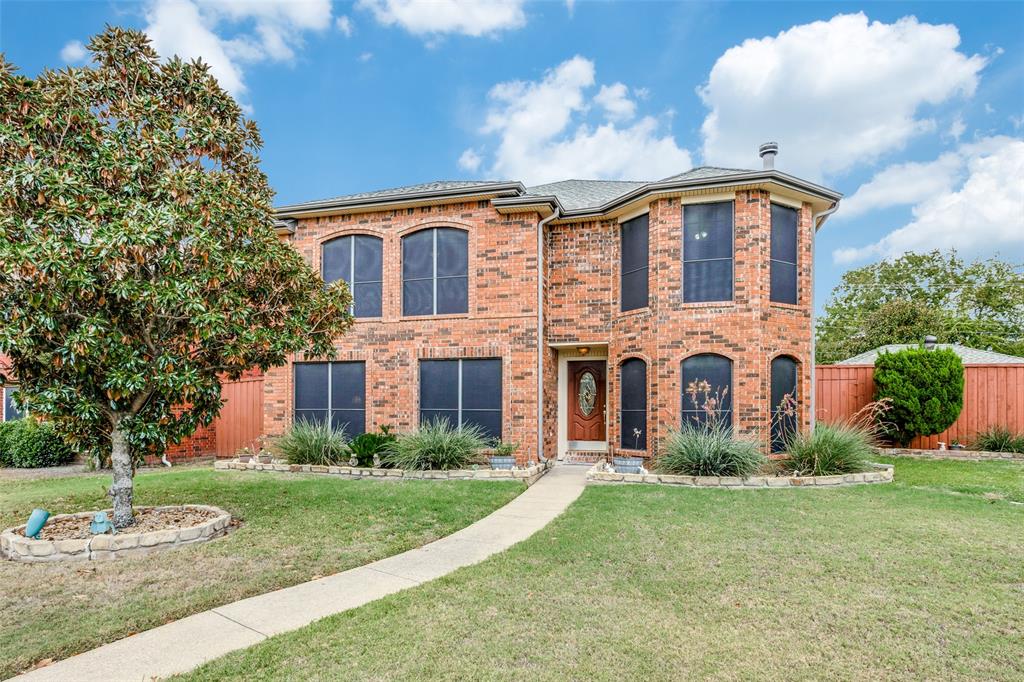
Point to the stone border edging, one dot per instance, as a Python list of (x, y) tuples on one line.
[(16, 547), (529, 475), (883, 474), (968, 455)]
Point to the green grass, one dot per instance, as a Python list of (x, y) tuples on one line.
[(1005, 479), (294, 528), (875, 582)]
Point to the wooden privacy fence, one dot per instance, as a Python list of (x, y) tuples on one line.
[(993, 396), (240, 421)]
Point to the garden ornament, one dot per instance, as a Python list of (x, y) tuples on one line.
[(101, 524), (36, 521)]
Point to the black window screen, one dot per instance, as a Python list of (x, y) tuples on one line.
[(357, 259), (707, 252), (783, 409), (707, 389), (633, 290), (783, 254), (463, 392), (332, 390), (11, 411), (435, 267), (633, 404)]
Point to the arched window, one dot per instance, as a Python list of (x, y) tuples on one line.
[(435, 267), (783, 408), (707, 389), (633, 404), (357, 259)]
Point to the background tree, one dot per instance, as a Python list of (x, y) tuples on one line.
[(138, 259), (926, 390), (979, 304)]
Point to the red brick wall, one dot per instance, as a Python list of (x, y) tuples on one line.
[(501, 322), (582, 305)]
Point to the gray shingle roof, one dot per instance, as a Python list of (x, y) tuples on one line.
[(578, 194), (438, 186), (969, 356), (705, 172)]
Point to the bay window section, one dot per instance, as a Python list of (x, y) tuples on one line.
[(633, 263), (783, 254), (707, 252)]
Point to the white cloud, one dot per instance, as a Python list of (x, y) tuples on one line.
[(984, 215), (437, 17), (570, 7), (957, 127), (903, 184), (833, 94), (543, 134), (365, 57), (344, 25), (74, 52), (470, 161), (616, 102), (262, 30)]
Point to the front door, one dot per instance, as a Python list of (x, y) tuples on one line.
[(586, 400)]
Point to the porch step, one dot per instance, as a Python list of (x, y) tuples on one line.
[(584, 456)]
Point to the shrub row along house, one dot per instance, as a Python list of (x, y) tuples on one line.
[(575, 318)]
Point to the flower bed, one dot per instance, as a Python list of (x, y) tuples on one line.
[(883, 473), (64, 540), (972, 455), (528, 475)]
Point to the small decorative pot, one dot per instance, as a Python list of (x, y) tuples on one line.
[(501, 462)]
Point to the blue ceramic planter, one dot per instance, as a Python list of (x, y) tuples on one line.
[(36, 521)]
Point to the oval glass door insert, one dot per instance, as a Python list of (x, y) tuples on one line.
[(588, 393)]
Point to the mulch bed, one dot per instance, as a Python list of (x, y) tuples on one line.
[(146, 520)]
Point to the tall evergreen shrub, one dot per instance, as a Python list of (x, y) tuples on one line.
[(926, 390)]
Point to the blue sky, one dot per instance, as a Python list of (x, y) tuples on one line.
[(914, 110)]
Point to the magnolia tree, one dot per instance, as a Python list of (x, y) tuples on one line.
[(138, 259)]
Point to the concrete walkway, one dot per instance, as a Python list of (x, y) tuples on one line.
[(185, 644)]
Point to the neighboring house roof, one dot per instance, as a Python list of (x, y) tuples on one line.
[(969, 356)]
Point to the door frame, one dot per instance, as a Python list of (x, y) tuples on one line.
[(565, 356)]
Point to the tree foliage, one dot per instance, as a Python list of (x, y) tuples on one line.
[(138, 259), (978, 304), (926, 390)]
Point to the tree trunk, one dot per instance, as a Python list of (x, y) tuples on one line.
[(122, 490)]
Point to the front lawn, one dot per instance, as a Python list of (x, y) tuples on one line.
[(293, 529), (895, 581)]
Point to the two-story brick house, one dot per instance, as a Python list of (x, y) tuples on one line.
[(570, 318)]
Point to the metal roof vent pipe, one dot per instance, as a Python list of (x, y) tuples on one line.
[(768, 151), (929, 342)]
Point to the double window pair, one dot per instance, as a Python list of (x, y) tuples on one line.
[(435, 271)]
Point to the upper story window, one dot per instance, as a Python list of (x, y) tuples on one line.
[(707, 252), (783, 255), (784, 401), (332, 392), (435, 267), (633, 264), (357, 259), (11, 411), (633, 404), (463, 392), (707, 389)]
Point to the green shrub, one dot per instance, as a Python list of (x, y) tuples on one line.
[(925, 390), (999, 439), (829, 450), (708, 450), (306, 443), (437, 445), (29, 444), (367, 445)]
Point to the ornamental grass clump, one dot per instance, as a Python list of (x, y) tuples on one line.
[(709, 449), (999, 439), (843, 448), (437, 445), (306, 443)]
